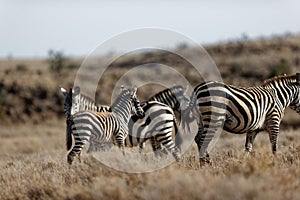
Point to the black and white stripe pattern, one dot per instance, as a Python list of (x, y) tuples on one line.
[(242, 110), (100, 127), (157, 125), (75, 102), (174, 97)]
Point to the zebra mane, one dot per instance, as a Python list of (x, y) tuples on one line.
[(290, 78), (177, 89), (125, 93), (68, 103)]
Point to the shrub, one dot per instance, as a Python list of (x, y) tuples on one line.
[(22, 67), (56, 60), (282, 67), (236, 68)]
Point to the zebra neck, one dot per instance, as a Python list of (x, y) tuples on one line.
[(87, 104), (171, 102), (286, 94), (122, 109)]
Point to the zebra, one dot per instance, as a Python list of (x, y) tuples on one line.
[(176, 99), (75, 102), (101, 127), (241, 110), (157, 125)]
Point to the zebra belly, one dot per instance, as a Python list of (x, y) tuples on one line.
[(230, 125)]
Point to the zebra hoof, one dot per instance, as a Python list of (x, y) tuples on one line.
[(176, 156), (70, 159), (177, 159), (204, 161)]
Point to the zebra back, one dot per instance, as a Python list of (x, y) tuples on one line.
[(174, 97), (75, 102)]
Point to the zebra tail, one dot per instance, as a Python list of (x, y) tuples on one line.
[(187, 114), (68, 133), (178, 134)]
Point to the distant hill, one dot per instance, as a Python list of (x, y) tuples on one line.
[(29, 88)]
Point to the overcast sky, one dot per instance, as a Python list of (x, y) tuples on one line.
[(29, 28)]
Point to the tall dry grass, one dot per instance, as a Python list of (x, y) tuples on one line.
[(33, 166), (32, 141)]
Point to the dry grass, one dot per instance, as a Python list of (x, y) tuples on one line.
[(33, 166), (33, 155)]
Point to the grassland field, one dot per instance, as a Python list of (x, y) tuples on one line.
[(32, 135)]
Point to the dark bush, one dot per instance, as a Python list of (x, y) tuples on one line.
[(236, 68), (22, 67), (56, 60), (281, 68)]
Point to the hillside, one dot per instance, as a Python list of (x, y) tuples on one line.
[(29, 88)]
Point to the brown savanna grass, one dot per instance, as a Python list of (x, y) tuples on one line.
[(32, 135), (33, 166)]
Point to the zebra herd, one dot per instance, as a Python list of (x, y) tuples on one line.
[(155, 121), (214, 106)]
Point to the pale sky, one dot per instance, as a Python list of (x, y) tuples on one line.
[(29, 28)]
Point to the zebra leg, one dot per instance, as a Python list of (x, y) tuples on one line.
[(142, 146), (92, 147), (273, 136), (120, 140), (202, 139), (123, 150), (179, 140), (76, 150), (71, 157), (250, 140), (273, 130), (121, 146), (157, 148), (170, 146), (79, 157)]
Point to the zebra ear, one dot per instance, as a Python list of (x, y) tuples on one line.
[(76, 90), (64, 91), (133, 91), (122, 88), (298, 78), (186, 88)]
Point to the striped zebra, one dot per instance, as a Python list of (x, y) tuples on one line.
[(176, 99), (157, 125), (101, 127), (241, 110), (75, 102)]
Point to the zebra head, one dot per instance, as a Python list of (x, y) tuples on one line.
[(138, 109), (295, 105), (181, 100), (72, 100), (127, 102), (175, 97)]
